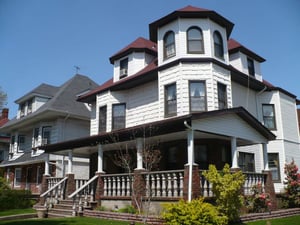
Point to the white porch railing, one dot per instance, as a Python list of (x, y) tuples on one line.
[(117, 184), (164, 184), (251, 179), (84, 193), (55, 191)]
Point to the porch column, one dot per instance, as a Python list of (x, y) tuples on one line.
[(100, 159), (265, 155), (190, 137), (234, 153), (139, 153), (70, 162), (47, 165)]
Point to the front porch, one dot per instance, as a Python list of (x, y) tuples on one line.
[(115, 191)]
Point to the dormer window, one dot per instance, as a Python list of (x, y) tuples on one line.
[(22, 110), (169, 45), (123, 67), (29, 106), (251, 69), (218, 45), (195, 40)]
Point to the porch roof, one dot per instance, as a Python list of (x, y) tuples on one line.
[(176, 125)]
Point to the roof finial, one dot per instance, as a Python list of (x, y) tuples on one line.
[(77, 69)]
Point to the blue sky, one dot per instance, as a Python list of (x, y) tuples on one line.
[(42, 40)]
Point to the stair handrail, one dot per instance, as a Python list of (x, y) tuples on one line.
[(83, 186), (55, 186)]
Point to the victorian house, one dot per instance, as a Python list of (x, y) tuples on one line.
[(196, 95), (47, 114)]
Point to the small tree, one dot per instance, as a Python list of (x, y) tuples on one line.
[(227, 188), (292, 182), (125, 159)]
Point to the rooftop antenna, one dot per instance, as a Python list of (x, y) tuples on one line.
[(77, 69)]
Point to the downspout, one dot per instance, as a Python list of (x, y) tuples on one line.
[(190, 164)]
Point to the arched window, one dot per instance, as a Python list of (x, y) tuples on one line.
[(218, 45), (195, 40), (169, 45)]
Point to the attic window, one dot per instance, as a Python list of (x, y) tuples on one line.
[(123, 67), (251, 69), (218, 45), (169, 45), (194, 40)]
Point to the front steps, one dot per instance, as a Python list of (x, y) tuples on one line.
[(62, 209)]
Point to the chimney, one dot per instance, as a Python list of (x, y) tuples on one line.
[(4, 114)]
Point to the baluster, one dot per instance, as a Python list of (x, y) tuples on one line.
[(92, 192), (128, 184), (123, 189), (109, 188), (175, 185), (105, 186), (158, 186), (118, 186), (170, 187), (114, 188), (180, 184), (153, 189), (147, 185)]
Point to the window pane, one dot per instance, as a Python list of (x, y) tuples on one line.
[(197, 96), (118, 116), (102, 118), (222, 96), (246, 162), (274, 166), (269, 116), (171, 100), (195, 40), (218, 45), (46, 135), (169, 45)]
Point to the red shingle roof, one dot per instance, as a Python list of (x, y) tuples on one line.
[(140, 44), (234, 46)]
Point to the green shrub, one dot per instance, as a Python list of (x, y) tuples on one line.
[(15, 199), (195, 212), (128, 209), (3, 184), (227, 188)]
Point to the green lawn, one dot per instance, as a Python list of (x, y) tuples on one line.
[(293, 220), (17, 211)]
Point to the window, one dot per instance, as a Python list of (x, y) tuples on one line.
[(169, 45), (197, 96), (39, 175), (36, 136), (21, 142), (123, 67), (218, 45), (274, 166), (46, 135), (12, 144), (269, 116), (22, 110), (118, 113), (246, 162), (29, 106), (251, 69), (170, 100), (222, 96), (195, 40), (200, 154), (18, 177), (102, 118)]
